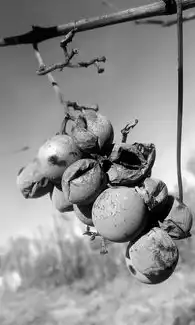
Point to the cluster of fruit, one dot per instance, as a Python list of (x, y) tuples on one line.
[(109, 187)]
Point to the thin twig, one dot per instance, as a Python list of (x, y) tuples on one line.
[(50, 78), (125, 131), (68, 64), (39, 34), (180, 96), (164, 23)]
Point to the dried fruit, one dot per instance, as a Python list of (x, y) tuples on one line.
[(179, 221), (131, 163), (154, 193), (31, 182), (153, 257), (59, 201), (84, 213), (91, 131), (56, 154), (119, 214), (83, 181)]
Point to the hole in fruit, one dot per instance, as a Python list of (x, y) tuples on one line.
[(131, 268), (130, 160)]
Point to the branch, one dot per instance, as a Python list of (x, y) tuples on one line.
[(68, 64), (40, 34), (50, 78), (164, 23)]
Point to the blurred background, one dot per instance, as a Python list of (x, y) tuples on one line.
[(45, 258)]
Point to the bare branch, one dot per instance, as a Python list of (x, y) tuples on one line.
[(50, 78), (39, 34), (165, 23)]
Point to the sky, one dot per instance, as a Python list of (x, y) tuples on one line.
[(140, 81)]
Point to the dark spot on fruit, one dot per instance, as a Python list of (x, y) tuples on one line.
[(54, 160)]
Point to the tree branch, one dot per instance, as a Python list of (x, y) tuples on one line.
[(40, 34), (164, 23)]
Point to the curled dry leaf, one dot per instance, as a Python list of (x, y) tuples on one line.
[(179, 221), (56, 154), (153, 257), (119, 214), (154, 193), (31, 182), (83, 181), (59, 201), (84, 213), (131, 163)]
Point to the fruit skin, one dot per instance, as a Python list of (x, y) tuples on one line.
[(131, 164), (94, 127), (119, 214), (84, 213), (178, 222), (154, 193), (31, 182), (59, 201), (56, 154), (153, 257), (83, 181)]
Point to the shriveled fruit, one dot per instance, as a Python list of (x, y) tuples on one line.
[(131, 163), (154, 193), (56, 154), (119, 214), (91, 131), (153, 257), (83, 181), (31, 182), (60, 202), (84, 213), (179, 221)]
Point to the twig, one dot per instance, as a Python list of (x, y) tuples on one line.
[(125, 131), (39, 34), (43, 70), (68, 64), (78, 107), (164, 23), (180, 95), (50, 78)]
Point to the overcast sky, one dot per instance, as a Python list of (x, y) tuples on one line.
[(140, 81)]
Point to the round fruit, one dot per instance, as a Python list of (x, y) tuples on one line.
[(84, 213), (153, 257), (119, 214), (154, 193), (100, 126), (179, 221), (56, 154), (59, 201), (31, 182), (83, 181)]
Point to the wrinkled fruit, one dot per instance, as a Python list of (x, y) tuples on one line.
[(179, 221), (59, 201), (131, 163), (119, 214), (83, 181), (153, 257), (31, 182), (84, 213), (154, 193), (56, 154)]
